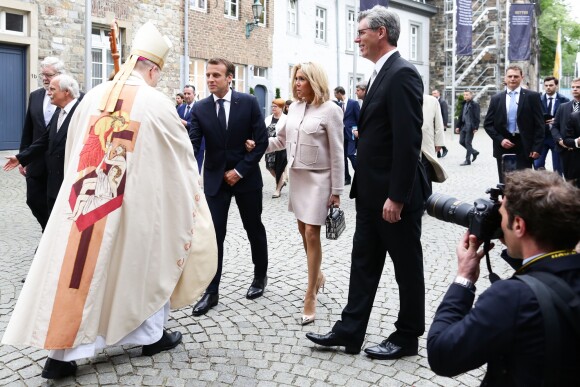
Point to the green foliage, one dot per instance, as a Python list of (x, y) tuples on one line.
[(458, 105), (252, 90), (554, 15), (277, 93)]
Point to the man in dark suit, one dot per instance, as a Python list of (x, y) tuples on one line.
[(551, 101), (351, 111), (568, 154), (390, 187), (467, 126), (184, 112), (63, 92), (227, 119), (445, 114), (572, 141), (38, 115), (515, 122), (505, 328)]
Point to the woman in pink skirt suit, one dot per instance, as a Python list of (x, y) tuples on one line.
[(313, 138)]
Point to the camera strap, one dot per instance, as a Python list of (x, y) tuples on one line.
[(492, 276), (554, 295)]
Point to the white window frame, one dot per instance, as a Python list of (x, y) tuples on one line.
[(228, 7), (260, 71), (104, 47), (292, 17), (3, 30), (263, 20), (352, 82), (197, 78), (415, 42), (351, 26), (320, 24), (198, 5), (239, 81)]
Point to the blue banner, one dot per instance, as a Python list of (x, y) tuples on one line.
[(464, 21), (521, 22), (368, 4)]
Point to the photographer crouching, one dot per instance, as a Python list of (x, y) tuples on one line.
[(528, 333)]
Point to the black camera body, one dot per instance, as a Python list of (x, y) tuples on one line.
[(482, 218)]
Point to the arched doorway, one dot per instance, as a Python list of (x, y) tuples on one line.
[(260, 93)]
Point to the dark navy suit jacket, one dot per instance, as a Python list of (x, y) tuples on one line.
[(226, 150), (558, 100), (505, 330), (187, 117), (351, 115)]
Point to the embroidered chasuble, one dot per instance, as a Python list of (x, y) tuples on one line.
[(130, 230)]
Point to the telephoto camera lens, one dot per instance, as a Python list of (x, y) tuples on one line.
[(449, 209)]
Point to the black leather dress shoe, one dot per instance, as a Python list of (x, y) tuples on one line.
[(331, 339), (167, 341), (56, 369), (257, 288), (466, 162), (347, 181), (207, 301), (387, 351), (475, 154)]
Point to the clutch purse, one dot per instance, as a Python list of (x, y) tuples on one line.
[(335, 223)]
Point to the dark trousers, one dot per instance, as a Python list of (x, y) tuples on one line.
[(36, 198), (352, 157), (200, 154), (429, 170), (523, 159), (549, 145), (250, 207), (373, 238), (465, 140)]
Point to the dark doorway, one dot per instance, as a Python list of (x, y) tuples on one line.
[(260, 93), (12, 95)]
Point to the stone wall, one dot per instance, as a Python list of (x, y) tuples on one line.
[(212, 34), (62, 33)]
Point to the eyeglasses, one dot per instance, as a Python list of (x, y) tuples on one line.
[(359, 32), (46, 75)]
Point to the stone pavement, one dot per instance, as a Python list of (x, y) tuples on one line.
[(247, 343)]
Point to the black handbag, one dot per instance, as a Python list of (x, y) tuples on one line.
[(335, 223)]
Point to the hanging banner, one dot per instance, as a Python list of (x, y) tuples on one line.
[(368, 4), (521, 22), (464, 22)]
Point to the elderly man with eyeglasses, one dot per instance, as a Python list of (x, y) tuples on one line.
[(40, 111)]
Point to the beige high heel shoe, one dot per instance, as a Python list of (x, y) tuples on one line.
[(320, 283), (308, 318)]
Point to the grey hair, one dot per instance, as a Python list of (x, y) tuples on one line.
[(379, 16), (361, 85), (66, 82), (55, 63)]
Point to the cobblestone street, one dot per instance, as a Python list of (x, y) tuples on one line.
[(260, 342)]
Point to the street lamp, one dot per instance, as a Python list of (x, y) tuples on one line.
[(257, 8)]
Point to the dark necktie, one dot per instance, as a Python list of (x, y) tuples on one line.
[(222, 114), (575, 106), (187, 110), (550, 105)]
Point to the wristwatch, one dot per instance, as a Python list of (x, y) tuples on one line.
[(459, 280)]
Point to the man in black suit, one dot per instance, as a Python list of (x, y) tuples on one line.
[(572, 141), (515, 122), (184, 112), (505, 328), (227, 119), (38, 116), (467, 125), (551, 101), (568, 154), (351, 110), (445, 114), (390, 187), (63, 92)]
